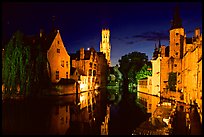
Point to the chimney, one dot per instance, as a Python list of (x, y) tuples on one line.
[(81, 53), (197, 32)]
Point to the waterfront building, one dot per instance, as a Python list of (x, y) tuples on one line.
[(87, 61), (58, 57), (177, 68)]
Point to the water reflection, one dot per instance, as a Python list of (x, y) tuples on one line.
[(58, 115), (89, 113)]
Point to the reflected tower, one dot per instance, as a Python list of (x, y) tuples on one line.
[(105, 45)]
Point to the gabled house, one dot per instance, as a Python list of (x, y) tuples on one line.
[(87, 61), (59, 59)]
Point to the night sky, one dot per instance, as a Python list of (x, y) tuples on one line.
[(133, 26)]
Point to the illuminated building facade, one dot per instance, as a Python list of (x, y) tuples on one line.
[(105, 45), (183, 58), (58, 57), (145, 95), (87, 61)]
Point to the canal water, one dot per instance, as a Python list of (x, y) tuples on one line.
[(58, 115)]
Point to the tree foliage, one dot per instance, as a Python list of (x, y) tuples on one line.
[(16, 60), (144, 72), (131, 63), (172, 81), (22, 68)]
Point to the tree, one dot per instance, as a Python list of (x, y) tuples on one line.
[(24, 65), (144, 72), (130, 64), (172, 81), (16, 60)]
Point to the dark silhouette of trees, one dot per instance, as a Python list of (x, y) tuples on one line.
[(130, 64), (25, 66)]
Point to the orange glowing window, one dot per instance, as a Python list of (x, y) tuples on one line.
[(67, 64), (90, 64), (57, 75), (62, 63), (58, 50), (66, 74)]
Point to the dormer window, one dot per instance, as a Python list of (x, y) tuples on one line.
[(58, 42)]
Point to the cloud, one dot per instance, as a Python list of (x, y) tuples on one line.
[(130, 42), (152, 36)]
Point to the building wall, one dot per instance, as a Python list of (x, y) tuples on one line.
[(89, 66), (176, 42), (58, 61), (142, 86), (156, 72), (164, 76), (146, 98)]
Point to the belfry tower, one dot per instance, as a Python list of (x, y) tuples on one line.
[(105, 45), (176, 35)]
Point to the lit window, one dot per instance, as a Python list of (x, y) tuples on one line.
[(90, 72), (57, 75), (90, 64), (66, 74), (62, 63), (58, 50), (67, 64), (94, 73)]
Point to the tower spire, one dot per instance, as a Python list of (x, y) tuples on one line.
[(159, 43), (176, 22)]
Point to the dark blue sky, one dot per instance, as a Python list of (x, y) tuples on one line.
[(134, 26)]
